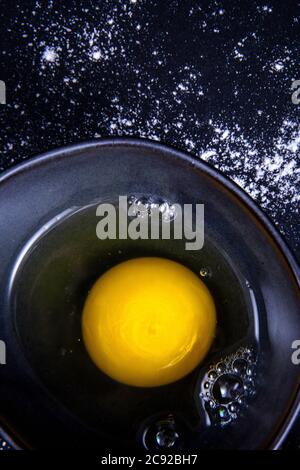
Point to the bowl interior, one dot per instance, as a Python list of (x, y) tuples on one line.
[(51, 257), (49, 291)]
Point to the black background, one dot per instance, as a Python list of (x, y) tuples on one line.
[(150, 47)]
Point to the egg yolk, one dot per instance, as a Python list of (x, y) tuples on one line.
[(148, 322)]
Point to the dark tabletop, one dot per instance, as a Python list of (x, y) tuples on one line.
[(212, 78)]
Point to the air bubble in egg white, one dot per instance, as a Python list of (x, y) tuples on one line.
[(168, 211), (228, 385), (205, 272), (212, 375), (144, 206)]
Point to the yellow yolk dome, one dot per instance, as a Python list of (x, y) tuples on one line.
[(148, 322)]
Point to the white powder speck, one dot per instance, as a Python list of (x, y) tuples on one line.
[(95, 55), (294, 144), (208, 154), (238, 54), (189, 143), (277, 66), (225, 134), (50, 55), (182, 87)]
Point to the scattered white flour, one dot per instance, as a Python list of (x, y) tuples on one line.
[(263, 173), (277, 66), (107, 54), (95, 54), (50, 54), (238, 55)]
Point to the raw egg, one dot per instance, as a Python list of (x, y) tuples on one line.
[(148, 322)]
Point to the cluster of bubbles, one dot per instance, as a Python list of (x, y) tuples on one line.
[(227, 385), (145, 207)]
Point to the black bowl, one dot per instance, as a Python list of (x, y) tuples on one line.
[(51, 393)]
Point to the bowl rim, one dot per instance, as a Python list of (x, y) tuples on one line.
[(209, 170)]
